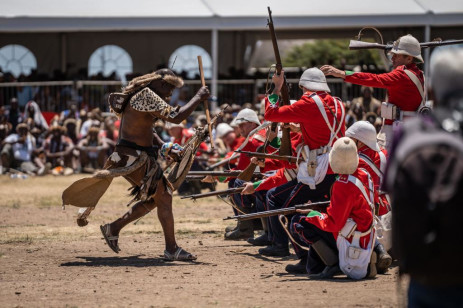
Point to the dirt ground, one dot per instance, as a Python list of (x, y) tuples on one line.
[(47, 260)]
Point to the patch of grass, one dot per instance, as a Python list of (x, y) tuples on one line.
[(1, 254), (196, 221), (184, 231), (46, 202), (14, 204), (18, 240)]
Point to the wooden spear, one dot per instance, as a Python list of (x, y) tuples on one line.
[(206, 105)]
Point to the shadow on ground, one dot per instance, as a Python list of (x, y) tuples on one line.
[(133, 261)]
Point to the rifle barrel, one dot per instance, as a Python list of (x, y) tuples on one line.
[(214, 193), (285, 211)]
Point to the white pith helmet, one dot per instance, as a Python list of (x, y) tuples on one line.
[(223, 129), (170, 125), (313, 79), (365, 132), (247, 115), (343, 156), (407, 45)]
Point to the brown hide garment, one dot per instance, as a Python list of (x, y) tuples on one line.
[(141, 170)]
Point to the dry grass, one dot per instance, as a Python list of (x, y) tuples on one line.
[(41, 197)]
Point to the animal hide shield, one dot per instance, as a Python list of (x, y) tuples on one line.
[(86, 192)]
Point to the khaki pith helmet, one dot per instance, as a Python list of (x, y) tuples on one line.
[(343, 156), (407, 45)]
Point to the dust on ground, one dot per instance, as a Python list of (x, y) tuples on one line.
[(47, 260)]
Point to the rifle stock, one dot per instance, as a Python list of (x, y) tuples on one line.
[(285, 211), (285, 146)]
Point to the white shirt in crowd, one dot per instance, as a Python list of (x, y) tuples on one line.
[(21, 151)]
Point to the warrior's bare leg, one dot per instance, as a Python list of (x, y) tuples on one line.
[(163, 200), (166, 217), (140, 209)]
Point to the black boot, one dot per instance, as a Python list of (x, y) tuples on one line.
[(298, 268), (384, 260), (231, 228), (329, 272), (244, 231), (260, 241), (275, 251)]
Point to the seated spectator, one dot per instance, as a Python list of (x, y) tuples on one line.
[(91, 121), (93, 150), (33, 111), (371, 117), (17, 150), (13, 114), (367, 102), (70, 125), (58, 151)]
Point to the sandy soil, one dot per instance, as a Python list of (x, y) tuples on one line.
[(46, 260)]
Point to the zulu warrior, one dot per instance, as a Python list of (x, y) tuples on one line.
[(140, 104)]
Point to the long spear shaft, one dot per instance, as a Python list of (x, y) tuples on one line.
[(206, 105)]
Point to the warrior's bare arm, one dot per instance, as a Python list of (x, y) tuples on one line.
[(202, 94)]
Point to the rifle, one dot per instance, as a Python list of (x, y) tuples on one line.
[(247, 173), (222, 162), (285, 147), (230, 191), (290, 159), (199, 175), (286, 211), (357, 44)]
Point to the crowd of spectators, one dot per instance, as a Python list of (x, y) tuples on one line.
[(78, 140)]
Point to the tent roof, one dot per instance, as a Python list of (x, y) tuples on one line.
[(112, 15)]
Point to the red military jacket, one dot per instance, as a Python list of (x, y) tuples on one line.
[(384, 206), (347, 201), (283, 175), (253, 143), (315, 132), (402, 92)]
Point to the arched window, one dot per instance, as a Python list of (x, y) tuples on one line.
[(17, 60), (110, 59), (186, 59)]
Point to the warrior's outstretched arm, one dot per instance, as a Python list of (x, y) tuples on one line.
[(202, 94)]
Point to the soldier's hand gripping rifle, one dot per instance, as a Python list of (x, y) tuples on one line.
[(230, 191), (317, 206), (285, 147)]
